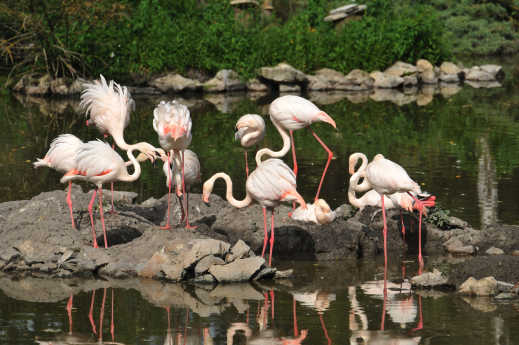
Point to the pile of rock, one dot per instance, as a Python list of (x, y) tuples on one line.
[(344, 12)]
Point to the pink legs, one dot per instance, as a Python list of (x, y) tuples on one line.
[(69, 313), (112, 211), (323, 326), (330, 156), (294, 304), (246, 163), (385, 231), (112, 327), (266, 234), (294, 159), (69, 202), (102, 215), (90, 205), (165, 227), (101, 316), (91, 313), (188, 226)]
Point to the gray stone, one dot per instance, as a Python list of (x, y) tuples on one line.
[(423, 65), (477, 74), (455, 246), (284, 274), (483, 84), (429, 76), (410, 80), (386, 81), (241, 250), (504, 286), (205, 279), (495, 70), (65, 86), (224, 80), (176, 83), (505, 295), (33, 84), (401, 69), (255, 85), (283, 73), (289, 88), (483, 287), (449, 78), (203, 265), (449, 68), (448, 90), (432, 279), (494, 251), (238, 270), (358, 80), (265, 273)]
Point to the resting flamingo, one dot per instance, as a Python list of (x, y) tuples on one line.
[(172, 122), (270, 183), (60, 157), (98, 163), (250, 130), (290, 113), (107, 107), (318, 212), (191, 176), (387, 177)]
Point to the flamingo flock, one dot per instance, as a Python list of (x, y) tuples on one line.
[(108, 107)]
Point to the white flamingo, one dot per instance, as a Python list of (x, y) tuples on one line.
[(250, 130)]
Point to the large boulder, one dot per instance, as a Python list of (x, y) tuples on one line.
[(66, 86), (283, 73), (224, 80), (401, 69), (173, 82), (33, 84), (386, 81)]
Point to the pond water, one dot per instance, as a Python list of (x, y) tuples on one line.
[(461, 144), (326, 303)]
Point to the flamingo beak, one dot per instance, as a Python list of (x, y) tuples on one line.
[(327, 118), (205, 199)]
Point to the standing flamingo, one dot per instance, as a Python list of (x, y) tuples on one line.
[(270, 183), (108, 107), (387, 177), (290, 113), (250, 130), (191, 176), (172, 122), (98, 163), (60, 157)]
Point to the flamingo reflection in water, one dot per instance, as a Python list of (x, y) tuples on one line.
[(317, 300)]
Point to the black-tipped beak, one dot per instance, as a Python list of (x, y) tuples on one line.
[(206, 202)]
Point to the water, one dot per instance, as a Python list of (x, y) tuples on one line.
[(333, 303), (462, 146)]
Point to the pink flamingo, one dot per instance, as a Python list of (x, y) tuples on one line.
[(172, 122), (191, 176), (108, 106), (387, 177), (270, 183), (98, 163), (319, 213), (290, 113), (250, 130), (61, 158)]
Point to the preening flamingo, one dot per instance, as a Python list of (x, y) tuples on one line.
[(387, 177), (270, 183), (290, 113), (60, 157), (98, 163), (250, 130), (172, 122), (108, 107), (318, 212), (191, 175)]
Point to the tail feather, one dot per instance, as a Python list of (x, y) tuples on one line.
[(41, 163)]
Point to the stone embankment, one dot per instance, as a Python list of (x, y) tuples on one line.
[(420, 80), (38, 239)]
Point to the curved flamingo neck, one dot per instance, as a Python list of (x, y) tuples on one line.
[(137, 169), (352, 197), (275, 154), (228, 194), (354, 158)]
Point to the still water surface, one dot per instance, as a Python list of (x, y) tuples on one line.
[(461, 145)]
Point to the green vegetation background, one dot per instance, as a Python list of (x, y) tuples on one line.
[(131, 40)]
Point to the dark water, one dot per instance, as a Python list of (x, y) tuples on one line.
[(330, 303)]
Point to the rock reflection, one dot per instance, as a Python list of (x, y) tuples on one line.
[(487, 185)]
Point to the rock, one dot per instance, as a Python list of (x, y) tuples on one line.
[(449, 78), (289, 88), (410, 80), (358, 80), (255, 85), (395, 96), (33, 84), (505, 296), (494, 251), (428, 77), (423, 65), (266, 273), (449, 68), (515, 252), (477, 74), (239, 270), (176, 83), (483, 84), (224, 80), (448, 90), (329, 79), (153, 266), (205, 279), (483, 287), (504, 286), (66, 86), (203, 265), (382, 80), (455, 246), (318, 83), (494, 70), (283, 73), (240, 250), (434, 279), (401, 69), (284, 274), (344, 11)]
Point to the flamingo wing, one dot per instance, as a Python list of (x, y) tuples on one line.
[(97, 158), (293, 112), (387, 177), (172, 122), (61, 154)]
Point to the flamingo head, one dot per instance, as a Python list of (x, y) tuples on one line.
[(322, 116), (206, 192), (352, 163)]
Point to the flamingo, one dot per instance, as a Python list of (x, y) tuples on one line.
[(108, 107), (191, 175), (387, 177), (270, 183), (319, 213), (61, 158), (172, 122), (291, 112), (250, 130), (98, 163)]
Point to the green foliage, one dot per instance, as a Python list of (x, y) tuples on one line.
[(438, 217)]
